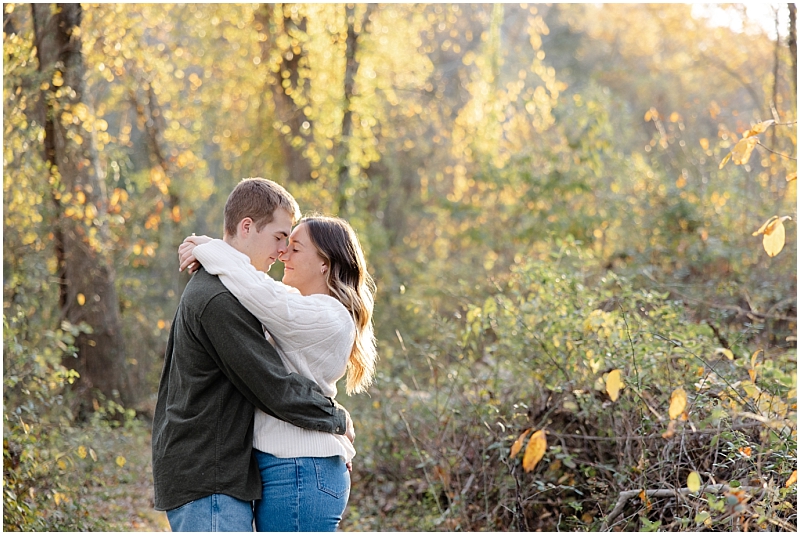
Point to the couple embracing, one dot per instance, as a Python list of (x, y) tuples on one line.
[(246, 430)]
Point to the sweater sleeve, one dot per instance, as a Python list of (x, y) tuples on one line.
[(256, 370), (292, 319)]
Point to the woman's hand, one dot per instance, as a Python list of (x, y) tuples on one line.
[(186, 255)]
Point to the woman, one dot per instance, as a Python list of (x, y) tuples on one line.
[(320, 321)]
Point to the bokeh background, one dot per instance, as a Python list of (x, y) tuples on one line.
[(560, 204)]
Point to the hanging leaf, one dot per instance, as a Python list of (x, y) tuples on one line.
[(775, 237), (754, 356), (693, 482), (791, 176), (725, 160), (724, 351), (792, 479), (518, 443), (743, 149), (758, 129), (677, 403), (613, 384), (535, 450)]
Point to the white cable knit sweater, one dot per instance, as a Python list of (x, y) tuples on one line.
[(313, 334)]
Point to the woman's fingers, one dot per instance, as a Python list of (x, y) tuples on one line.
[(186, 256)]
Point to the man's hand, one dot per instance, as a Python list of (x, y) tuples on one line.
[(186, 255)]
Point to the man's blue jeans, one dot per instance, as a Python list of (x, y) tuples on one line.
[(301, 493), (217, 512)]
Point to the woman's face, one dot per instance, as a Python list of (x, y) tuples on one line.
[(303, 267)]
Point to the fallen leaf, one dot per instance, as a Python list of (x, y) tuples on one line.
[(792, 479)]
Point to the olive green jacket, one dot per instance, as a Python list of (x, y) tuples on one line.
[(218, 367)]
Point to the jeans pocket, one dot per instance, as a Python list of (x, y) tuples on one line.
[(332, 476)]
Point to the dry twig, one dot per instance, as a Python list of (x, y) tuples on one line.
[(665, 493)]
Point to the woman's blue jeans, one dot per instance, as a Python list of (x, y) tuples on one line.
[(301, 493)]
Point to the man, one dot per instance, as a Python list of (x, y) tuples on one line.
[(218, 367)]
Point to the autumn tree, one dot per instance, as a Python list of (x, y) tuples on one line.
[(86, 278)]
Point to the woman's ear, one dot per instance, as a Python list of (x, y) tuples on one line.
[(324, 268)]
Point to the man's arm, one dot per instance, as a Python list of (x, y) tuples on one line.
[(256, 369)]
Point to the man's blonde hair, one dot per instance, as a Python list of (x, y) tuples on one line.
[(257, 198)]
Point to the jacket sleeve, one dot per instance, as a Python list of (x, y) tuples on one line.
[(256, 370)]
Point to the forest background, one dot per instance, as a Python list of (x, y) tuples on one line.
[(580, 217)]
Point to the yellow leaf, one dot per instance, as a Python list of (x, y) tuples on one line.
[(752, 373), (743, 149), (535, 450), (774, 237), (518, 443), (693, 482), (758, 129), (613, 384), (725, 160), (81, 299), (62, 464), (92, 454), (704, 143), (753, 357), (58, 80), (792, 479), (80, 197), (791, 176), (121, 461), (724, 351), (677, 403), (763, 227), (82, 452), (670, 432)]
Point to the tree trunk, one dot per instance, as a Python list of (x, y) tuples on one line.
[(351, 68), (86, 276), (287, 91), (793, 43)]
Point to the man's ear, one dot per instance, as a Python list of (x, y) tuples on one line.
[(245, 226)]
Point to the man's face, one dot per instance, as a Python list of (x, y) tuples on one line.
[(264, 247)]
